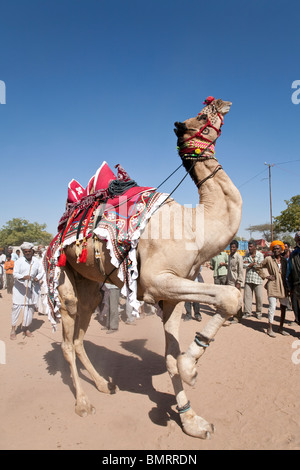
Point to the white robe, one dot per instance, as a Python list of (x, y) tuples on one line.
[(26, 292)]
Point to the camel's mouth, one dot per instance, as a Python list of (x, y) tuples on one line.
[(226, 107)]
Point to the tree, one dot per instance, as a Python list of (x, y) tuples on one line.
[(16, 231), (289, 219), (265, 229)]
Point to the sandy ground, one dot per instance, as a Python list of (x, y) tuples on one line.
[(248, 386)]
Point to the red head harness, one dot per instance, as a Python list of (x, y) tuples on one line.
[(209, 100)]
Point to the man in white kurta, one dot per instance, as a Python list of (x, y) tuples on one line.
[(27, 274)]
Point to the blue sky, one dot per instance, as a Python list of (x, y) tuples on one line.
[(91, 80)]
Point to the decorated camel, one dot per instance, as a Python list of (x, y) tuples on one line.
[(172, 245)]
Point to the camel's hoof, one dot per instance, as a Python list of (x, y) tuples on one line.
[(187, 369), (112, 388), (195, 426), (84, 409), (107, 387)]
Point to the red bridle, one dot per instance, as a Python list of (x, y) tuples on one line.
[(208, 124)]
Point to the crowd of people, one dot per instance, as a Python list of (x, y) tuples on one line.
[(23, 275), (281, 269)]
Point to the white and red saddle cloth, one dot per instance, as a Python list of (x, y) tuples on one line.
[(118, 220)]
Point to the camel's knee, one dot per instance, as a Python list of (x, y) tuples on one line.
[(171, 364), (78, 346), (70, 304), (229, 301), (68, 350)]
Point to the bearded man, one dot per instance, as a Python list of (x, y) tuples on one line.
[(27, 274)]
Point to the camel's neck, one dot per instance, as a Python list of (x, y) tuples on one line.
[(222, 204)]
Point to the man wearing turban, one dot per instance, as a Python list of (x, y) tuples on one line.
[(27, 274), (276, 266)]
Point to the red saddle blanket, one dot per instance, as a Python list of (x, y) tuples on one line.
[(120, 224)]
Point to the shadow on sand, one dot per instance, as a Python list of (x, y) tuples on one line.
[(132, 373)]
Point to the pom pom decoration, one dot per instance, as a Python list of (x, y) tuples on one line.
[(209, 100), (62, 260), (83, 256)]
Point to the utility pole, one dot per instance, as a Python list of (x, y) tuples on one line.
[(270, 191)]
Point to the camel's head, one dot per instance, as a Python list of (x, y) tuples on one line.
[(196, 133)]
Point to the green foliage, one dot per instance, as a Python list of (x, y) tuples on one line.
[(289, 219), (264, 229), (16, 231)]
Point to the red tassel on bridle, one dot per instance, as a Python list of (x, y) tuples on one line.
[(83, 257)]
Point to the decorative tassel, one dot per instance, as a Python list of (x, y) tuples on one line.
[(83, 256), (62, 259)]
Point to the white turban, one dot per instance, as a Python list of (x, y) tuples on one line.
[(26, 246)]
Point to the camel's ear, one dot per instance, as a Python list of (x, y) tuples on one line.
[(223, 106), (181, 128)]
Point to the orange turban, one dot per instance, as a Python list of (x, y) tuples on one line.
[(277, 242)]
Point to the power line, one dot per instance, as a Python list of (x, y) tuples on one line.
[(273, 164), (253, 177), (283, 163)]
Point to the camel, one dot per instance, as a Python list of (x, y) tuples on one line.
[(167, 268)]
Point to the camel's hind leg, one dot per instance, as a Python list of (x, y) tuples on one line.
[(79, 299), (89, 297)]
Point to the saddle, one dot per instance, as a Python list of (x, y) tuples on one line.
[(112, 208)]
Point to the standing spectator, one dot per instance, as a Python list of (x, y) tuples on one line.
[(219, 265), (9, 269), (293, 276), (196, 305), (111, 300), (42, 305), (276, 286), (287, 250), (13, 255), (235, 273), (27, 274), (253, 282), (1, 278), (2, 272)]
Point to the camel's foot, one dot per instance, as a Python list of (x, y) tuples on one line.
[(83, 407), (106, 387), (196, 426), (187, 369)]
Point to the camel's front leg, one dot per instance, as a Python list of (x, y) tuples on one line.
[(226, 299), (192, 424), (183, 366)]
